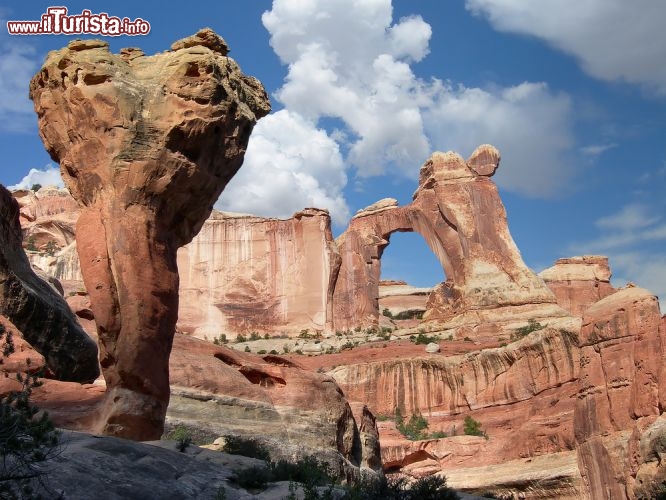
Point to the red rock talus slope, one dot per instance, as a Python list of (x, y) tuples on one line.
[(37, 309), (458, 212), (145, 145)]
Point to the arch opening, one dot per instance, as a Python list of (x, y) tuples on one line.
[(409, 270)]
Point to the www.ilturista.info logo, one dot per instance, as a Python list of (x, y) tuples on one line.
[(56, 22)]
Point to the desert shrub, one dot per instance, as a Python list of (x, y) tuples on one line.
[(182, 436), (222, 339), (261, 351), (266, 336), (238, 445), (51, 248), (415, 428), (408, 315), (31, 244), (253, 478), (523, 331), (240, 338), (347, 345), (255, 336), (427, 488), (36, 187), (422, 338), (386, 312), (273, 351), (307, 471), (247, 348), (27, 440), (472, 427)]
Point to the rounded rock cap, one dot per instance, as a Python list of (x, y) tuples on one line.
[(484, 160)]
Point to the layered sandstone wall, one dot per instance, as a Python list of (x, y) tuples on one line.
[(579, 282), (245, 274)]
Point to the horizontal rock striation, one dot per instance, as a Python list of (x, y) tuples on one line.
[(443, 386)]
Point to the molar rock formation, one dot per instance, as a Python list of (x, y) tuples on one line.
[(36, 309), (145, 145), (579, 282), (457, 210)]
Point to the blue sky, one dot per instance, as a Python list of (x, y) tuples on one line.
[(573, 93)]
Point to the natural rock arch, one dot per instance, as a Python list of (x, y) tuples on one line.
[(458, 211)]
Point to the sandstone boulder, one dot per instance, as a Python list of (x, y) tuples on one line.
[(432, 348), (145, 145), (36, 309)]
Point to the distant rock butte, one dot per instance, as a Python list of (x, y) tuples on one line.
[(579, 282), (145, 145)]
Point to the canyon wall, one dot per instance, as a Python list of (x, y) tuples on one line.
[(249, 274)]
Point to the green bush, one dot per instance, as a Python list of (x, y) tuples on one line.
[(408, 315), (181, 434), (27, 441), (262, 351), (422, 338), (255, 336), (427, 488), (307, 471), (523, 331), (222, 339), (415, 428), (472, 427), (386, 312), (240, 338), (238, 445)]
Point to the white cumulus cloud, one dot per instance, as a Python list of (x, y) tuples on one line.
[(350, 83), (614, 40), (48, 176), (289, 165)]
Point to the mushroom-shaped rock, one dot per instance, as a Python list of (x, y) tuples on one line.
[(146, 144)]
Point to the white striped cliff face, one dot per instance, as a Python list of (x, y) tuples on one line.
[(250, 274)]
